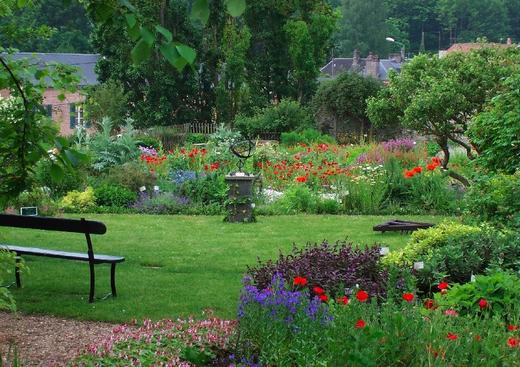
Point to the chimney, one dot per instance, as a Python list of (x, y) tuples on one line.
[(397, 57), (356, 59), (372, 66), (509, 41)]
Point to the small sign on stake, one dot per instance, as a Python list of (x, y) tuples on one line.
[(419, 265), (29, 211), (384, 251)]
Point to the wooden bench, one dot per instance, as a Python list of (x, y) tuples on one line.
[(86, 227), (401, 225)]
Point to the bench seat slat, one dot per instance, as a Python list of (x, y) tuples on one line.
[(52, 224), (35, 251)]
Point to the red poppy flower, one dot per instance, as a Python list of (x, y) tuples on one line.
[(360, 324), (429, 304), (300, 281), (417, 169), (408, 297), (452, 336), (324, 298), (483, 303), (443, 285), (409, 174), (436, 160), (513, 342), (477, 338), (206, 167), (512, 327), (362, 296), (431, 166), (301, 179), (343, 300), (318, 290)]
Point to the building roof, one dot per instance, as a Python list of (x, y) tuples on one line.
[(337, 66), (85, 62), (467, 47)]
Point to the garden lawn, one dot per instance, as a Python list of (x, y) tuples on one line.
[(175, 265)]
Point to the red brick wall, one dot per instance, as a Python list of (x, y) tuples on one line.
[(60, 109)]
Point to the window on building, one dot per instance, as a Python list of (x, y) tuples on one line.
[(77, 116), (48, 110)]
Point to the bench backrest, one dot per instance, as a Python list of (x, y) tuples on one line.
[(53, 224)]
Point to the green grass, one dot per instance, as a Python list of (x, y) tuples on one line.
[(175, 265)]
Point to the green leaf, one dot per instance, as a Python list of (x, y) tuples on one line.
[(56, 172), (187, 53), (22, 3), (236, 7), (134, 32), (166, 33), (130, 20), (40, 74), (169, 51), (71, 158), (200, 10), (147, 36), (141, 51), (61, 142), (61, 97)]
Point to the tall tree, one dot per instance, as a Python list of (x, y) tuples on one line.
[(440, 96), (290, 40), (468, 20), (363, 27), (64, 28), (157, 93)]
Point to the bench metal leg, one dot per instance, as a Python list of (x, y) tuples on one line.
[(17, 272), (113, 279), (92, 283)]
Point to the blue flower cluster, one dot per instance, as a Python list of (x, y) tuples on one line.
[(282, 304), (180, 176)]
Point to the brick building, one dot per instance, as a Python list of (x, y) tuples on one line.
[(69, 112)]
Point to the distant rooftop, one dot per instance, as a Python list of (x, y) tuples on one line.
[(467, 47), (370, 66), (85, 62)]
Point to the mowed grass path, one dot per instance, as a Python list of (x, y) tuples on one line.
[(175, 265)]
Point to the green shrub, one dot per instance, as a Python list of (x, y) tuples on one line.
[(196, 138), (131, 175), (40, 198), (297, 199), (495, 199), (210, 189), (286, 116), (7, 268), (111, 150), (366, 193), (114, 195), (72, 179), (454, 252), (500, 290), (307, 136), (76, 201), (424, 241), (496, 131), (328, 206), (148, 141)]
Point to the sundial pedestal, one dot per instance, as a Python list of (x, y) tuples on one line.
[(240, 198)]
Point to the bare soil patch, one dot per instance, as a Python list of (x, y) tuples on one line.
[(46, 340)]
